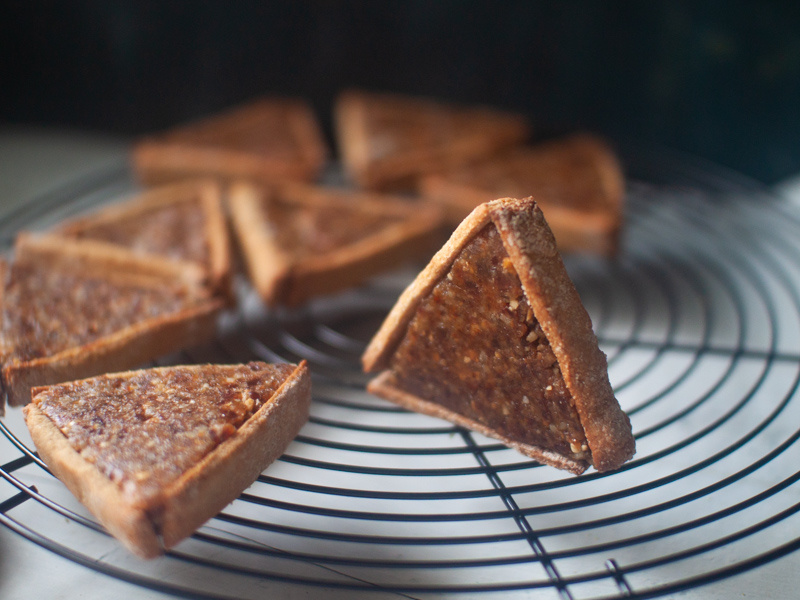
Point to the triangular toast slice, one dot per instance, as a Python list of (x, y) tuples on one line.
[(302, 241), (577, 182), (155, 453), (386, 141), (72, 311), (182, 222), (493, 336), (268, 140)]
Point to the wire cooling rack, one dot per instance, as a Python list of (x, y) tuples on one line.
[(700, 319)]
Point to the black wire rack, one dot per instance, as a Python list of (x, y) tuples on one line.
[(700, 319)]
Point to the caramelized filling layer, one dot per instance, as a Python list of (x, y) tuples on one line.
[(46, 311), (144, 430), (175, 231), (475, 347), (309, 230)]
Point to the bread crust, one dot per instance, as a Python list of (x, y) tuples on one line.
[(589, 223), (224, 145), (206, 192), (268, 266), (282, 278), (127, 347), (484, 131), (149, 528), (556, 305)]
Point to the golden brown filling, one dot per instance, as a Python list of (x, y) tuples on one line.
[(309, 230), (143, 430), (426, 127), (46, 311), (175, 231), (475, 347)]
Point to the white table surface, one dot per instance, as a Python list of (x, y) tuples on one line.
[(33, 162)]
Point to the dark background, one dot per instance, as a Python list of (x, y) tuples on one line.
[(716, 79)]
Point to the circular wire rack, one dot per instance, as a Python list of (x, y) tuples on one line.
[(699, 317)]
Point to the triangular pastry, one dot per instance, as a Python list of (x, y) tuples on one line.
[(155, 453), (302, 241), (268, 140), (70, 311), (182, 222), (387, 141), (493, 336), (577, 182)]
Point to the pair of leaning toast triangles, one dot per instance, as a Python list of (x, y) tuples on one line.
[(114, 289), (493, 336)]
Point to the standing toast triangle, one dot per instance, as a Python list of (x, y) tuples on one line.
[(388, 140), (183, 222), (492, 336), (155, 453), (302, 241)]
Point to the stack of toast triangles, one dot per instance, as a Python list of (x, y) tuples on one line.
[(493, 336)]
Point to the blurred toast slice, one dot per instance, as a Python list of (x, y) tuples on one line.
[(301, 241), (183, 222), (267, 140), (492, 336), (175, 444), (387, 141), (576, 181), (71, 310)]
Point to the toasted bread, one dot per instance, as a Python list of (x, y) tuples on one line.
[(183, 221), (267, 140), (387, 141), (493, 336), (301, 241), (576, 181), (76, 309), (176, 445)]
